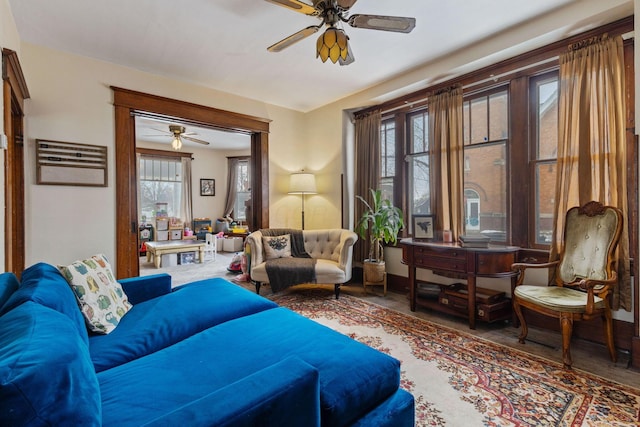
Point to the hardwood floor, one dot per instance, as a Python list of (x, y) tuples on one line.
[(587, 356)]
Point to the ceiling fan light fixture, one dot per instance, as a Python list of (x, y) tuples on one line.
[(332, 44)]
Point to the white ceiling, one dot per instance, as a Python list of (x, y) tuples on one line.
[(222, 44)]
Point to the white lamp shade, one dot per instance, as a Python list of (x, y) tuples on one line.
[(302, 183)]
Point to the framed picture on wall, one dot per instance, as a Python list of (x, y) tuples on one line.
[(423, 227), (207, 187)]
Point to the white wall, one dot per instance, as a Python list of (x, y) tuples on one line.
[(71, 100)]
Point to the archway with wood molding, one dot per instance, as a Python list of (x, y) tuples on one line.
[(127, 104)]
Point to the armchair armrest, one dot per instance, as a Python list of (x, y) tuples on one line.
[(602, 291), (254, 241), (521, 268), (143, 288), (284, 394), (347, 240)]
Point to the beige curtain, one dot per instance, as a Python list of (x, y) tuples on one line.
[(446, 140), (592, 143), (232, 181), (367, 170), (186, 206)]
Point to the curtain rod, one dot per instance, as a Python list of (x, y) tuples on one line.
[(550, 53)]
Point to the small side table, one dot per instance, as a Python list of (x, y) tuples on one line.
[(383, 283)]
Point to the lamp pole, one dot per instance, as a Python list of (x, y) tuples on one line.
[(303, 211), (302, 183)]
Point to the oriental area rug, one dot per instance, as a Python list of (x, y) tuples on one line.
[(461, 380)]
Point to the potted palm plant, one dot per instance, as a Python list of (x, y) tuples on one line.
[(380, 223)]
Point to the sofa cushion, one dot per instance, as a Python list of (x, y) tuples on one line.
[(46, 376), (285, 394), (101, 298), (43, 283), (354, 378), (277, 246), (8, 285), (160, 322)]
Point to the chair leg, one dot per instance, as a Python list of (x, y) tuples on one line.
[(566, 326), (337, 290), (258, 287), (608, 335), (523, 323)]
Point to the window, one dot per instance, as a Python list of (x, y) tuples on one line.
[(388, 158), (510, 128), (418, 164), (160, 182), (243, 190), (486, 134), (544, 92)]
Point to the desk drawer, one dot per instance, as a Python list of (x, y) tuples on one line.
[(450, 259), (495, 263)]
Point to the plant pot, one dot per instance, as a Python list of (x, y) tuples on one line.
[(373, 271)]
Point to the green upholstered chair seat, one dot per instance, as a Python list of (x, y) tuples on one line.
[(557, 298)]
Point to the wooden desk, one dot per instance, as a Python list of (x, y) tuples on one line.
[(468, 263), (157, 249)]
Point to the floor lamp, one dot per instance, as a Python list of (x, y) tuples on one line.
[(302, 183)]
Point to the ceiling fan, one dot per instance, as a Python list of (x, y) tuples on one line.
[(333, 43), (179, 133)]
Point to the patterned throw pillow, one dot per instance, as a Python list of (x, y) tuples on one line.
[(101, 299), (277, 246)]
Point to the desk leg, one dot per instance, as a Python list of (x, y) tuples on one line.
[(157, 258), (201, 253), (471, 282), (412, 288)]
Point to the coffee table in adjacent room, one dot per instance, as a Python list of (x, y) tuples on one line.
[(157, 249)]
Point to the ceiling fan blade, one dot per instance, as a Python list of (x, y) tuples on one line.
[(199, 141), (293, 38), (346, 4), (163, 131), (398, 24), (296, 6)]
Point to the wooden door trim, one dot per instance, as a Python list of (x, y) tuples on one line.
[(128, 104), (14, 92)]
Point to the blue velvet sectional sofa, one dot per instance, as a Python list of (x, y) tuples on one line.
[(204, 354)]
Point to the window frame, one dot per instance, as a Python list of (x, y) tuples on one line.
[(534, 160)]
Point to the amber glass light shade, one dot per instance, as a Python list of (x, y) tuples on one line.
[(332, 44)]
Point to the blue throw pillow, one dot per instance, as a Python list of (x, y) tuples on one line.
[(8, 285), (46, 375), (43, 283)]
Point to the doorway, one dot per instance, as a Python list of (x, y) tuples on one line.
[(179, 179), (128, 104)]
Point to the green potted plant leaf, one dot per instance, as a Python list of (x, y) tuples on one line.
[(380, 223)]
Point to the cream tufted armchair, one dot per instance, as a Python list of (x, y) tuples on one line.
[(585, 274), (327, 252)]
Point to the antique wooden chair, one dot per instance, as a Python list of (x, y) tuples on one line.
[(585, 274)]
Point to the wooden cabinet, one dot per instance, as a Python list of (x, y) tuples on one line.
[(451, 258)]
